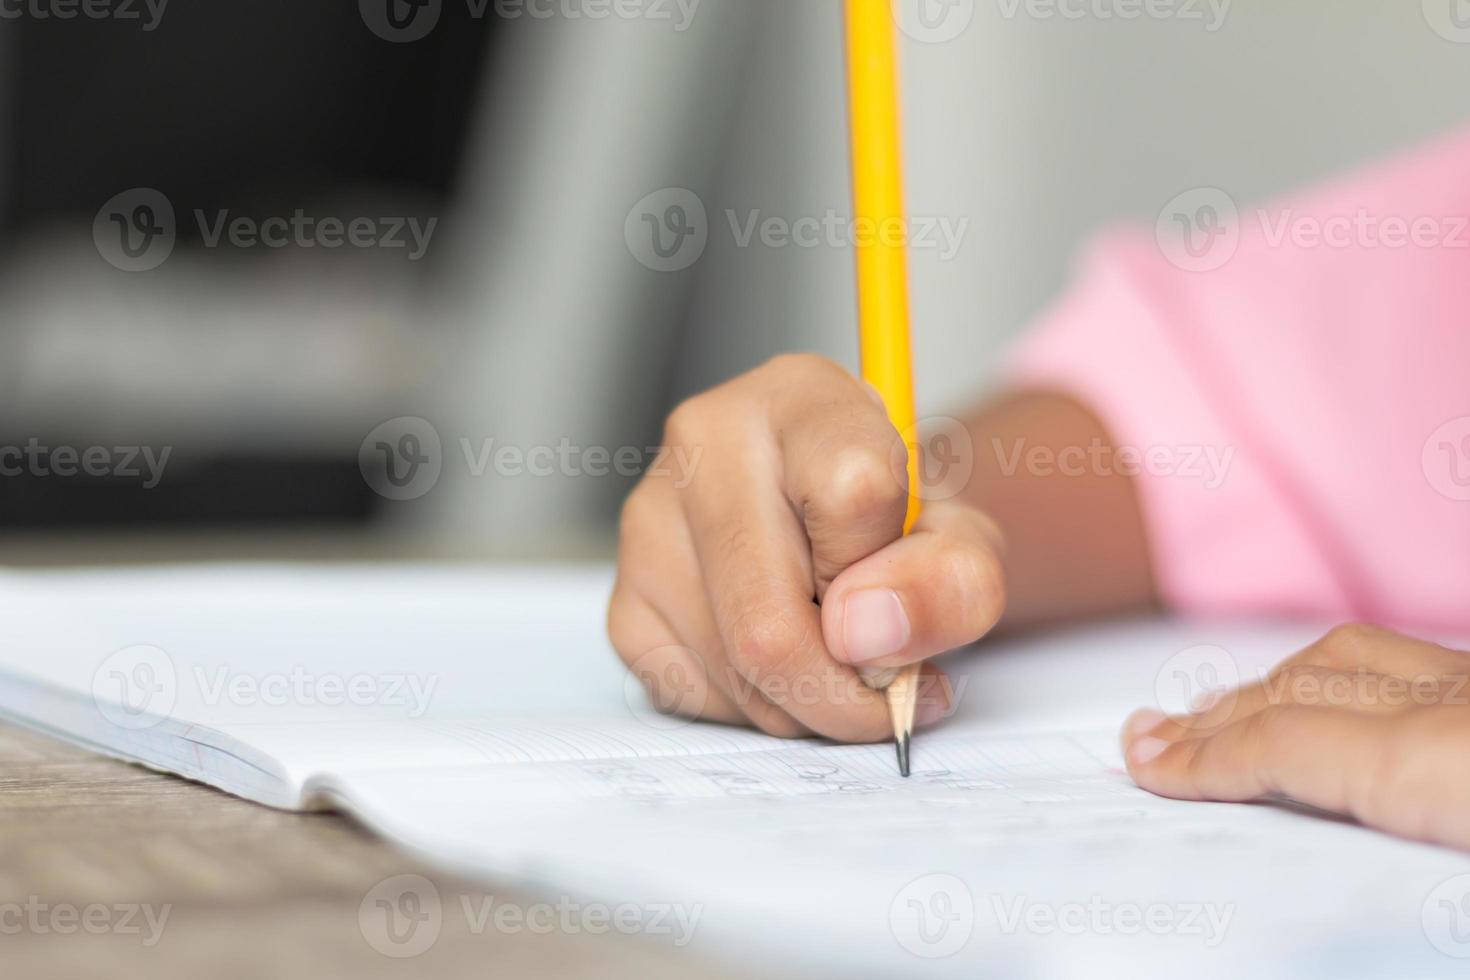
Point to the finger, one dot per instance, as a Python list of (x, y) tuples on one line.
[(1305, 685), (658, 562), (940, 588), (1319, 756), (844, 469), (758, 581), (935, 700), (674, 678), (1384, 652)]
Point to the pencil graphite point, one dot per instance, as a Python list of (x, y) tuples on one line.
[(903, 756)]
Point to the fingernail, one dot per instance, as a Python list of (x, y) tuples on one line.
[(1142, 720), (874, 625), (1146, 750)]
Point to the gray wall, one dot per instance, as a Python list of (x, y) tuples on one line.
[(1036, 129)]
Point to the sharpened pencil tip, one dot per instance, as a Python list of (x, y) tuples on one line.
[(903, 757)]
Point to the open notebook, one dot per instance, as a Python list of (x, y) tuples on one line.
[(477, 717)]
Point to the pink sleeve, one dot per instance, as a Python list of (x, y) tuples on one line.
[(1298, 419)]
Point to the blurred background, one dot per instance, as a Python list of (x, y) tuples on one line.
[(423, 276)]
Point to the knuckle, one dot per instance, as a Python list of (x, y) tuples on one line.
[(764, 638), (799, 365), (640, 512), (688, 422), (1347, 645), (858, 485)]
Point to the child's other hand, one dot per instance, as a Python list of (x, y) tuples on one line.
[(779, 488), (1364, 722)]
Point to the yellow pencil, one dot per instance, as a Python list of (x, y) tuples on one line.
[(882, 272)]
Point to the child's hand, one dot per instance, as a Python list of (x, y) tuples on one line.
[(1363, 722), (797, 494)]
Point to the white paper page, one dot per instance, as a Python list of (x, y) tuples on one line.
[(321, 669), (530, 761), (1005, 856)]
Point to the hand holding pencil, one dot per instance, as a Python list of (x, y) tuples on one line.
[(791, 571)]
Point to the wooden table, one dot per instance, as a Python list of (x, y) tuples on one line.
[(250, 892)]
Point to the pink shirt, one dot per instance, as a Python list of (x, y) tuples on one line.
[(1295, 401)]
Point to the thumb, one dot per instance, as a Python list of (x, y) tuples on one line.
[(939, 588)]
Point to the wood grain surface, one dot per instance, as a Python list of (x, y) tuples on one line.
[(250, 892)]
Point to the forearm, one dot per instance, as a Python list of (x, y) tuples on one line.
[(1075, 538)]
